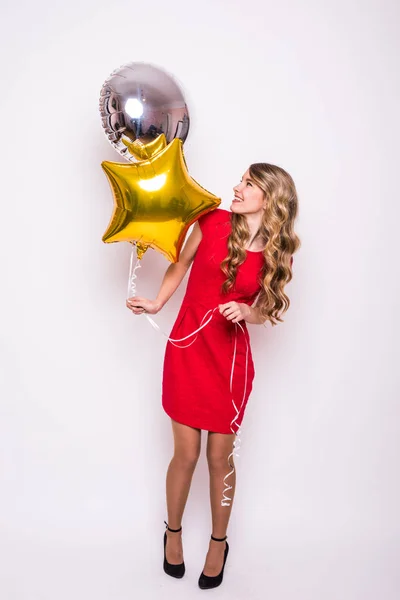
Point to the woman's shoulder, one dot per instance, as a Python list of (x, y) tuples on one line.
[(214, 217)]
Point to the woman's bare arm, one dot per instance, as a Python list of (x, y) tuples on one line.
[(254, 313), (172, 278)]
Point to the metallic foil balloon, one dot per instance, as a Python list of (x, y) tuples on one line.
[(138, 104), (155, 201)]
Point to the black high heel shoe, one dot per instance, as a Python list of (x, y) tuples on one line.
[(177, 571), (205, 581)]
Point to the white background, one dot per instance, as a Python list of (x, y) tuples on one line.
[(311, 86)]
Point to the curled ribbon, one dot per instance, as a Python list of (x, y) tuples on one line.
[(236, 442), (132, 274)]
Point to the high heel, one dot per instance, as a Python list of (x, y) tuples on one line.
[(177, 571), (205, 581)]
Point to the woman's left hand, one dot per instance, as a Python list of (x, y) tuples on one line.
[(234, 311)]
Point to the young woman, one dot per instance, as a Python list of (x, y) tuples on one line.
[(241, 263)]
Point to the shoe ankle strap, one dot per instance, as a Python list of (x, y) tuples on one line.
[(218, 539), (173, 530)]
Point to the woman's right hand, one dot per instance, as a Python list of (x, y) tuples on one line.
[(140, 305)]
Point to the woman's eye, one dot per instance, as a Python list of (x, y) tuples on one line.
[(248, 183)]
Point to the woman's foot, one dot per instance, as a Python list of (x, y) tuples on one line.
[(214, 558), (173, 548), (213, 572), (173, 554)]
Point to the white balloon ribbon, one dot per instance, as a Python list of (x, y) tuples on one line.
[(132, 274), (226, 500)]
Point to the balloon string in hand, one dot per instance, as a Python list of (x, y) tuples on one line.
[(234, 311)]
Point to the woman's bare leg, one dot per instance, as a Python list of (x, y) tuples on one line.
[(219, 447), (187, 442)]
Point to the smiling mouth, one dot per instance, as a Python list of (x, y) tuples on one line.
[(236, 199)]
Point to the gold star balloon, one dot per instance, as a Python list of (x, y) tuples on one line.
[(155, 201)]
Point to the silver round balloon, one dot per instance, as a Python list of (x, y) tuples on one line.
[(142, 108)]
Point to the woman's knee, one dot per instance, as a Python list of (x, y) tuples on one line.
[(187, 444), (218, 460), (187, 457)]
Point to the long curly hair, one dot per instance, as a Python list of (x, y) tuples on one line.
[(278, 236)]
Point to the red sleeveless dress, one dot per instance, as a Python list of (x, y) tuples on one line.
[(196, 379)]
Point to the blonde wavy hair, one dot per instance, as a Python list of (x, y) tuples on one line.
[(278, 236)]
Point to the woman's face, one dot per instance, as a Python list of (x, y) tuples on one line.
[(249, 198)]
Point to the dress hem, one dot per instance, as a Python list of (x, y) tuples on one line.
[(195, 426)]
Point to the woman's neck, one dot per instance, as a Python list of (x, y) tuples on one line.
[(254, 223)]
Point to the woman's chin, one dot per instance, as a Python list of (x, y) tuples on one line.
[(236, 206)]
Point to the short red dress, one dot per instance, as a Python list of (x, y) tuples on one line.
[(196, 379)]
